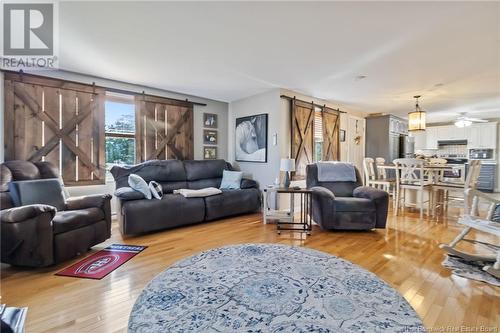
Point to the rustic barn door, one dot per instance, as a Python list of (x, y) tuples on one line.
[(56, 121), (302, 137), (331, 130), (164, 129)]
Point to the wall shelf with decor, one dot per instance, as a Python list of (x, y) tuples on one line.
[(210, 136)]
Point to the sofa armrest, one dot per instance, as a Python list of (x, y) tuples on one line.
[(127, 193), (248, 183), (27, 235), (323, 206), (381, 200), (87, 201), (102, 201), (368, 192), (322, 192), (24, 213)]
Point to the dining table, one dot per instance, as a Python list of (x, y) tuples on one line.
[(434, 173)]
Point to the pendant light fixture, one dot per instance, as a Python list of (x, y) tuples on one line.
[(416, 119)]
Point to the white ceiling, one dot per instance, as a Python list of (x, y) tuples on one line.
[(449, 52)]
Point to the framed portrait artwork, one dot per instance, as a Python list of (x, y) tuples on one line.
[(210, 120), (209, 153), (251, 138), (209, 137)]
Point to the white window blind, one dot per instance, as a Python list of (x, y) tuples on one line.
[(318, 134), (318, 125)]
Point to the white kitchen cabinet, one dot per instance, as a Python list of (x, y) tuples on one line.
[(420, 140), (431, 137), (478, 136), (482, 136), (450, 132), (456, 133), (441, 133), (473, 136)]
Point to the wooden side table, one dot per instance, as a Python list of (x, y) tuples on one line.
[(286, 219)]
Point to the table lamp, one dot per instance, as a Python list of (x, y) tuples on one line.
[(287, 165)]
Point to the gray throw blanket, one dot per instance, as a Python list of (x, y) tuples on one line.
[(336, 172)]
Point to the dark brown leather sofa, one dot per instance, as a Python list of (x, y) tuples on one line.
[(346, 205), (139, 215), (38, 235)]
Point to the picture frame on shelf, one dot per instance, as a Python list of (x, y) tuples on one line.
[(209, 137), (210, 120), (209, 153)]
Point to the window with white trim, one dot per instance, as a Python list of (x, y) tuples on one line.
[(119, 110)]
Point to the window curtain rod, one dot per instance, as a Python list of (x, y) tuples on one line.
[(311, 102), (115, 90)]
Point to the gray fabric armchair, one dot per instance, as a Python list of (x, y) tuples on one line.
[(50, 231), (346, 205)]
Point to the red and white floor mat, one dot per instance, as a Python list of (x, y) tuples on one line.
[(101, 263)]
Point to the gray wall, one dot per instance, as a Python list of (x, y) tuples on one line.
[(278, 123)]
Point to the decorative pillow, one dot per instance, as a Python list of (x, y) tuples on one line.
[(39, 191), (137, 183), (496, 214), (231, 180), (128, 193), (156, 189), (249, 183)]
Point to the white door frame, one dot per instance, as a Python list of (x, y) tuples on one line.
[(350, 139)]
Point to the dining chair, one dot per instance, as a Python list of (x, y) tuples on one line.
[(436, 162), (381, 172), (372, 180), (447, 187), (410, 176), (368, 170)]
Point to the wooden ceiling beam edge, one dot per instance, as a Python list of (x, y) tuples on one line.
[(115, 90), (311, 102)]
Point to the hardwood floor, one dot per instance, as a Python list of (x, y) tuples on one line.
[(405, 255)]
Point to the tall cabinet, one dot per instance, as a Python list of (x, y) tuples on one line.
[(385, 136)]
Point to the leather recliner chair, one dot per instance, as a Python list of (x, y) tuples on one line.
[(346, 205), (38, 235)]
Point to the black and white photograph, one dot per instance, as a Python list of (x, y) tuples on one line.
[(251, 138), (209, 153), (210, 120), (209, 137)]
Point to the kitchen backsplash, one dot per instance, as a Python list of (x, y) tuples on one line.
[(444, 151)]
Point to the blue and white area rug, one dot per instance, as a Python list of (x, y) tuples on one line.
[(270, 288)]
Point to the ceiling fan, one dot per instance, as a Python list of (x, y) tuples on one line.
[(464, 121)]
